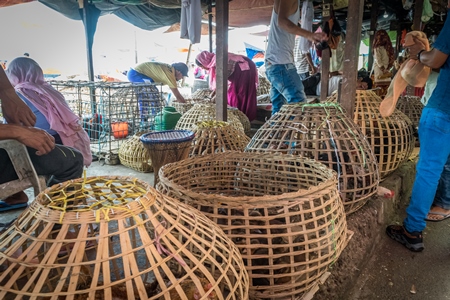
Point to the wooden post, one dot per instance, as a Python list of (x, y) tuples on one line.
[(325, 65), (210, 25), (351, 53), (373, 28), (221, 59), (418, 7)]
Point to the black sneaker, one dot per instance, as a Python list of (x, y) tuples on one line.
[(411, 240)]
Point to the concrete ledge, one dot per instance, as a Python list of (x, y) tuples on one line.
[(368, 224)]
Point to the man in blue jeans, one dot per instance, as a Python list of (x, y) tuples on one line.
[(280, 68), (434, 135)]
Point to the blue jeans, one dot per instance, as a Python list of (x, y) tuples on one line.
[(286, 85), (442, 198), (434, 135)]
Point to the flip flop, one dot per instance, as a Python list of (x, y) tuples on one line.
[(436, 213), (5, 206)]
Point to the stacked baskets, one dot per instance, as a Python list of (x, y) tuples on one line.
[(117, 238), (325, 133), (283, 212)]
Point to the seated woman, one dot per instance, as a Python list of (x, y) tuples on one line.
[(52, 112), (242, 78)]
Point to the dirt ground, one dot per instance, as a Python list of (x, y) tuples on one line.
[(347, 269)]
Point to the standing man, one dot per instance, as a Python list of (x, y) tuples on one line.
[(434, 135), (280, 68)]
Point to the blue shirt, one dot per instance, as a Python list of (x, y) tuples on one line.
[(41, 121), (439, 99)]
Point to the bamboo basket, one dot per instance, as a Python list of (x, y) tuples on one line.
[(391, 138), (242, 118), (134, 155), (411, 107), (216, 136), (117, 238), (205, 112), (181, 107), (166, 147), (325, 133), (283, 212), (263, 86)]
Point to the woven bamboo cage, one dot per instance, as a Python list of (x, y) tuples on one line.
[(205, 112), (325, 133), (201, 94), (411, 107), (182, 107), (242, 118), (117, 238), (391, 138), (283, 212), (217, 136), (263, 86), (134, 155)]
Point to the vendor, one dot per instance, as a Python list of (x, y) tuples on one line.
[(160, 73)]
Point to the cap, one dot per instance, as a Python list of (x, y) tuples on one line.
[(181, 67)]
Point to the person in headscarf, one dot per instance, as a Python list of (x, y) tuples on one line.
[(242, 78), (383, 54), (53, 114)]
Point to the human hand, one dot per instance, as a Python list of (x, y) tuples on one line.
[(14, 110), (318, 37), (415, 48), (35, 138)]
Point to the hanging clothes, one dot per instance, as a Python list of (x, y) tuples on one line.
[(191, 20)]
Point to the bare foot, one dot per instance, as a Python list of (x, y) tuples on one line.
[(17, 198), (437, 213)]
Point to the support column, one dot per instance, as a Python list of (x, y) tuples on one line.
[(351, 54), (221, 59)]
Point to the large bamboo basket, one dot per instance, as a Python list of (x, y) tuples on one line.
[(391, 138), (117, 238), (411, 107), (205, 112), (282, 211), (242, 118), (216, 136), (325, 133), (134, 155)]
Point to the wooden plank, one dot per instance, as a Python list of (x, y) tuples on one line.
[(351, 53), (221, 59), (373, 28), (325, 64), (418, 7)]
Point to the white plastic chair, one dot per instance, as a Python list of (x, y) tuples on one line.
[(24, 168)]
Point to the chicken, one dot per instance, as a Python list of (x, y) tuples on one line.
[(192, 292)]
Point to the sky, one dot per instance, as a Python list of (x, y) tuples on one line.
[(57, 43)]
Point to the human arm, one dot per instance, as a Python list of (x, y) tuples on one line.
[(14, 110), (433, 58), (285, 8), (177, 95), (29, 136)]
